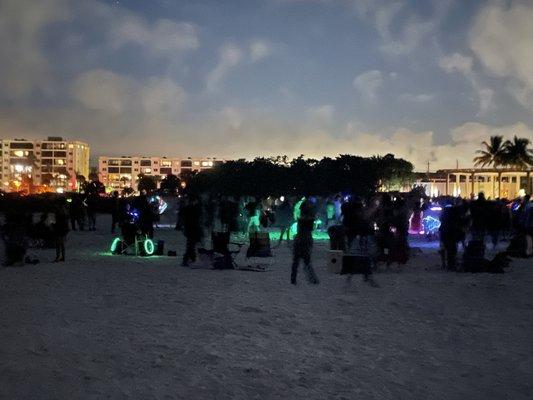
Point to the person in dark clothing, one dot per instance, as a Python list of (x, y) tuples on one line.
[(479, 215), (209, 213), (330, 213), (384, 220), (191, 217), (228, 213), (146, 214), (284, 219), (451, 233), (400, 248), (14, 234), (77, 213), (115, 211), (92, 202), (303, 243), (60, 229), (349, 218), (494, 222)]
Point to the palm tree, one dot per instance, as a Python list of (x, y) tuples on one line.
[(517, 153), (494, 153)]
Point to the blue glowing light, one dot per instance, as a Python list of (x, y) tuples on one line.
[(430, 224)]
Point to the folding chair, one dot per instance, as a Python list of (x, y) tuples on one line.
[(220, 256)]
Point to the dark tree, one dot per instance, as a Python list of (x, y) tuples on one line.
[(147, 183), (170, 184)]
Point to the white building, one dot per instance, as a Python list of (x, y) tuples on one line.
[(53, 163), (124, 171), (504, 183)]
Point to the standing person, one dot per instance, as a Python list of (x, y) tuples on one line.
[(92, 200), (146, 214), (253, 214), (60, 229), (115, 211), (450, 235), (14, 234), (330, 213), (494, 223), (191, 217), (77, 212), (479, 215), (284, 219), (303, 243)]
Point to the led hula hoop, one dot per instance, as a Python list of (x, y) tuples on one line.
[(114, 245), (149, 247)]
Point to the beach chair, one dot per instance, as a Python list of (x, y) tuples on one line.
[(220, 256)]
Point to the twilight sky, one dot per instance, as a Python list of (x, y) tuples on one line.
[(426, 80)]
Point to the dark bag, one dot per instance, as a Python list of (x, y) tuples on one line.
[(356, 264)]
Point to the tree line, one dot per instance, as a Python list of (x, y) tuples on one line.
[(278, 176)]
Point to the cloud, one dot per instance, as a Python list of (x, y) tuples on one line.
[(104, 91), (163, 37), (114, 94), (229, 57), (501, 39), (260, 49), (368, 83), (456, 62), (321, 115), (417, 98), (463, 64), (162, 97), (25, 67), (401, 31)]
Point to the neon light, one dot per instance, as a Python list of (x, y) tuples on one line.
[(149, 247), (436, 208), (114, 245)]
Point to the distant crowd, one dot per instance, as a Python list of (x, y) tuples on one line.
[(379, 226)]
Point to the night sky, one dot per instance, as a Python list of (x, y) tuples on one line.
[(427, 80)]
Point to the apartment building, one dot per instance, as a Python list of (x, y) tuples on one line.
[(124, 171), (52, 164)]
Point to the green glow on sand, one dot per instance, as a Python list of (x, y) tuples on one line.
[(317, 235)]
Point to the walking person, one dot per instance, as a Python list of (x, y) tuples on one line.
[(303, 243), (60, 229)]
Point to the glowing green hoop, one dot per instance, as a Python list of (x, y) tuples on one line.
[(149, 247), (114, 245)]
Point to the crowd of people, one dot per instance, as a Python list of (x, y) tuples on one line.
[(378, 227)]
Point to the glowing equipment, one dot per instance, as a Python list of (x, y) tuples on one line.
[(430, 224), (149, 247)]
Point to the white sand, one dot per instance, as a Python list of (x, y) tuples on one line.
[(144, 328)]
